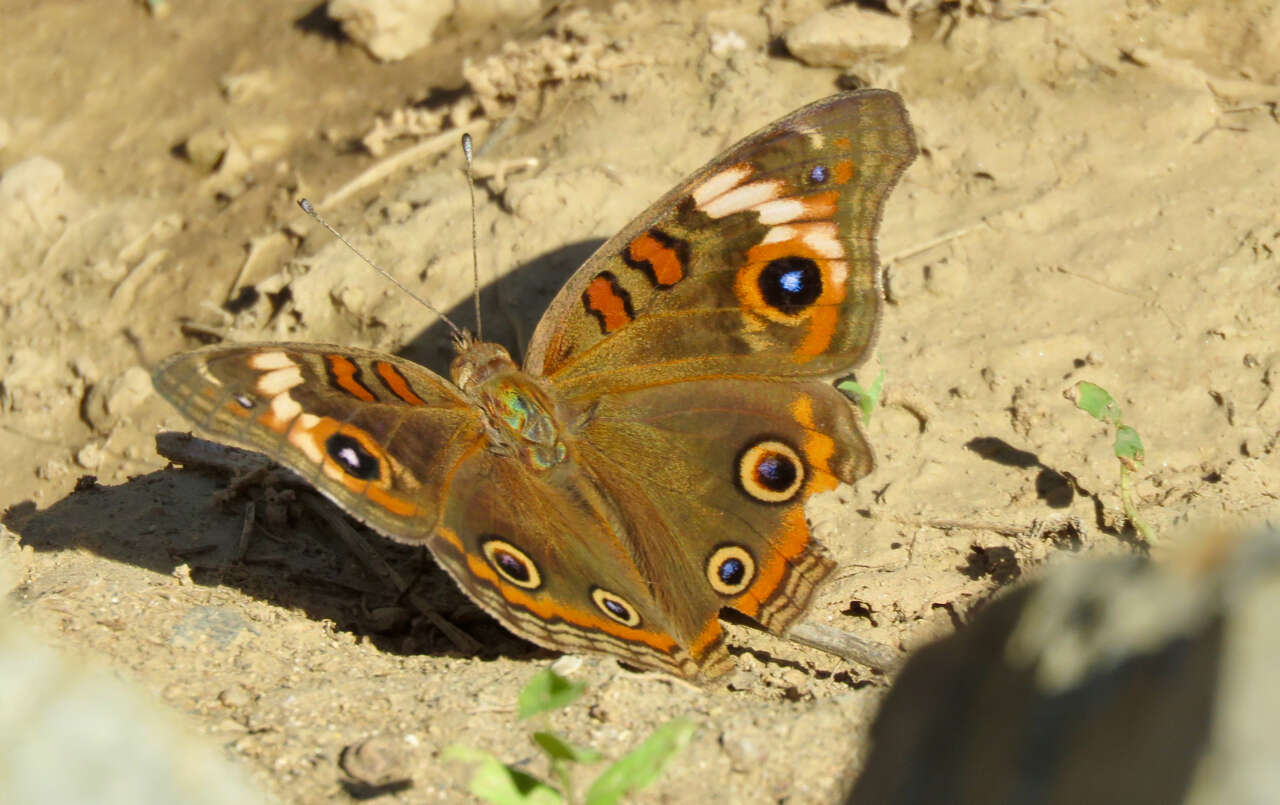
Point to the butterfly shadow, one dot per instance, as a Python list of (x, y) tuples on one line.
[(184, 526), (510, 307), (188, 524)]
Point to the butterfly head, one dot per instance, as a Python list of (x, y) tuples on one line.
[(478, 362)]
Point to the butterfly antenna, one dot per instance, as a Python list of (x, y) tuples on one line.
[(458, 334), (475, 257)]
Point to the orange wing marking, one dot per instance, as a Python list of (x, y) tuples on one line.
[(790, 541), (659, 256), (396, 382), (609, 302), (346, 375)]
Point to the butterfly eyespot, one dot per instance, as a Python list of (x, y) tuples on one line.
[(819, 174), (512, 564), (615, 607), (244, 401), (347, 452), (790, 284), (770, 471), (731, 569)]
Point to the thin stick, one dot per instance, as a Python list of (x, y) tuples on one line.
[(954, 234), (309, 209), (189, 451), (416, 153), (475, 256), (246, 531), (876, 656)]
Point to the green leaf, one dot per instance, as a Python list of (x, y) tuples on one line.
[(1095, 401), (642, 765), (865, 399), (558, 748), (495, 782), (547, 690), (1129, 447)]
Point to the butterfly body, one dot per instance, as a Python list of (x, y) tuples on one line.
[(521, 417), (648, 464)]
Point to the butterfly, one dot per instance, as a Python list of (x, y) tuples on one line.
[(649, 464)]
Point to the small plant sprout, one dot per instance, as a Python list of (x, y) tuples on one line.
[(547, 691), (865, 399), (1095, 401)]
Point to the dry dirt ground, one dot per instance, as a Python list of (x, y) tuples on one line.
[(1096, 198)]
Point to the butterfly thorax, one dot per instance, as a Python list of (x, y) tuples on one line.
[(519, 415)]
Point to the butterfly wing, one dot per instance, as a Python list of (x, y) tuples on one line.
[(551, 556), (402, 450), (715, 474), (761, 263), (700, 340), (380, 436)]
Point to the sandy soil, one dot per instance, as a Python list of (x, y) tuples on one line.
[(1096, 199)]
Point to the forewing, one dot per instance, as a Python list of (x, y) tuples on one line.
[(762, 263), (378, 435)]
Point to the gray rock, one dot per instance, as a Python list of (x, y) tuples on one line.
[(73, 733), (1107, 681)]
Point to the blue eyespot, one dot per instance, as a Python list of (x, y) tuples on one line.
[(511, 566), (792, 281), (819, 174), (769, 471), (731, 569), (790, 284), (616, 609), (776, 472)]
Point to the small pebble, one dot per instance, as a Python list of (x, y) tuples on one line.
[(390, 30), (378, 761), (205, 148), (567, 664), (845, 35), (235, 696), (90, 456)]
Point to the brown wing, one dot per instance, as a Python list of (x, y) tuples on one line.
[(762, 263), (378, 435), (714, 475), (550, 556)]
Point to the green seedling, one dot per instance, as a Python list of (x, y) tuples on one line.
[(865, 399), (1095, 401), (503, 784)]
